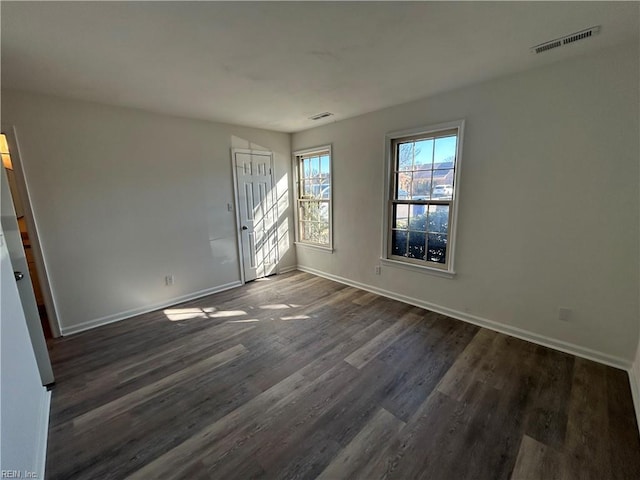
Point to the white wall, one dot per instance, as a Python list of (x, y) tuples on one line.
[(548, 203), (122, 198), (24, 402)]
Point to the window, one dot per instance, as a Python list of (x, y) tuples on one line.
[(313, 169), (423, 168)]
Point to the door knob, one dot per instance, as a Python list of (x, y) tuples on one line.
[(244, 227), (18, 275)]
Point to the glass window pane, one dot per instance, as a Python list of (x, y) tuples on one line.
[(418, 220), (417, 245), (442, 186), (399, 243), (444, 154), (302, 213), (307, 189), (316, 167), (316, 187), (401, 216), (421, 185), (325, 189), (315, 232), (323, 212), (405, 156), (323, 233), (324, 164), (437, 248), (304, 231), (403, 186), (314, 211), (423, 155), (438, 218)]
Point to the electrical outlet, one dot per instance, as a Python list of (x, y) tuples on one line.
[(169, 280), (378, 269), (564, 314)]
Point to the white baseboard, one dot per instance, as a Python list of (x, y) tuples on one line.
[(98, 322), (288, 269), (522, 334), (43, 428)]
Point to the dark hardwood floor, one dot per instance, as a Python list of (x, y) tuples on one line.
[(296, 376)]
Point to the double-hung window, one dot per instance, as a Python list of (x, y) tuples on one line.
[(424, 167), (313, 185)]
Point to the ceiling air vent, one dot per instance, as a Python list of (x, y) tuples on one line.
[(567, 39), (320, 115)]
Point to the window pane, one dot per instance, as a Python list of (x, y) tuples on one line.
[(304, 231), (316, 187), (323, 212), (418, 220), (399, 243), (437, 248), (323, 233), (306, 168), (444, 154), (438, 218), (423, 155), (417, 245), (401, 216), (403, 185), (405, 156), (314, 232), (421, 185), (314, 211), (324, 164), (442, 187), (307, 189)]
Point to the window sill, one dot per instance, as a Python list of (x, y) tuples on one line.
[(315, 247), (418, 268)]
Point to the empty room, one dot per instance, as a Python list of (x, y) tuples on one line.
[(333, 240)]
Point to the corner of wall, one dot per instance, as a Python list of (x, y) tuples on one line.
[(634, 383), (635, 393)]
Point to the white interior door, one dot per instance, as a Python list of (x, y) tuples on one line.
[(257, 212), (23, 280)]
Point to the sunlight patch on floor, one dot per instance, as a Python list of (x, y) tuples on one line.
[(295, 317)]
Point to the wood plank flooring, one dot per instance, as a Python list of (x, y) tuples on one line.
[(296, 376)]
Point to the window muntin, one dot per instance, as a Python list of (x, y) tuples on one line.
[(422, 195), (314, 197)]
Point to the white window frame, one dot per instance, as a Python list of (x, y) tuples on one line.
[(444, 270), (297, 157)]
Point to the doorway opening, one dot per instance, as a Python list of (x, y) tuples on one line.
[(28, 237)]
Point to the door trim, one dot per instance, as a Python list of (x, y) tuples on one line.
[(237, 202), (32, 226)]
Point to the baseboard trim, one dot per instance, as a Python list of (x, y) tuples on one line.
[(43, 428), (287, 269), (522, 334), (98, 322)]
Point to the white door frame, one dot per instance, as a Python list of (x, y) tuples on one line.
[(237, 202), (32, 227)]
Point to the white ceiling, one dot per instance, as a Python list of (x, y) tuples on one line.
[(272, 65)]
